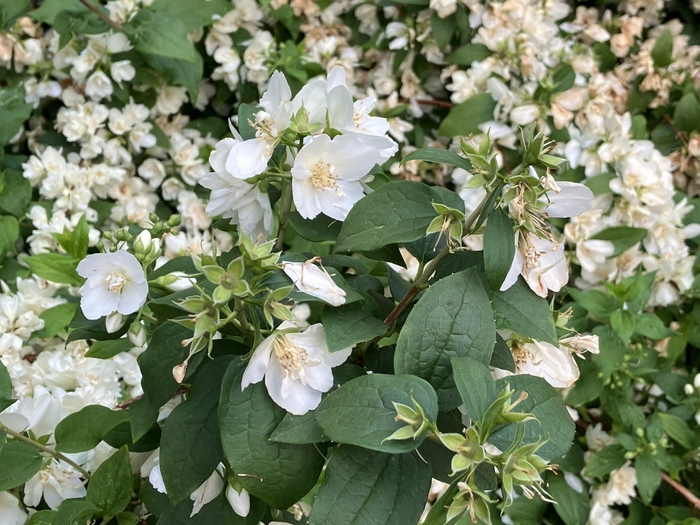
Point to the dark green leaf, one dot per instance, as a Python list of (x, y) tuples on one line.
[(15, 111), (499, 247), (43, 517), (362, 413), (16, 193), (75, 512), (364, 487), (55, 267), (190, 447), (465, 118), (648, 476), (5, 383), (502, 357), (572, 506), (605, 461), (111, 485), (9, 233), (192, 13), (554, 424), (56, 319), (278, 473), (678, 430), (475, 384), (110, 348), (157, 34), (686, 116), (662, 52), (622, 237), (179, 72), (468, 53), (320, 229), (439, 156), (299, 430), (19, 461), (397, 212), (84, 429), (519, 309), (347, 325), (452, 319), (49, 9)]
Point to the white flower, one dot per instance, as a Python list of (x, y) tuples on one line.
[(10, 511), (312, 280), (98, 86), (114, 322), (57, 482), (603, 515), (541, 262), (239, 501), (234, 198), (249, 157), (524, 115), (151, 470), (296, 367), (597, 438), (115, 282), (169, 100), (619, 490), (122, 70), (540, 359), (568, 199), (327, 175), (208, 490)]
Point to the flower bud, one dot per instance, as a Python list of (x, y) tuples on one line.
[(176, 281), (239, 500), (137, 334), (179, 372), (114, 322), (689, 389)]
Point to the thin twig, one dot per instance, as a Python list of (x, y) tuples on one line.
[(99, 13), (679, 133), (46, 449), (129, 402), (428, 102), (692, 498)]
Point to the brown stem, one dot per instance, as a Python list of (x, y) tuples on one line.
[(692, 498), (679, 133), (99, 13), (129, 402), (428, 102)]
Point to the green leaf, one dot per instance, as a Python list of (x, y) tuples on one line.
[(572, 506), (190, 447), (75, 512), (11, 10), (554, 424), (612, 351), (49, 9), (648, 476), (19, 461), (452, 319), (43, 517), (588, 386), (662, 52), (475, 385), (399, 211), (210, 514), (650, 325), (5, 383), (442, 29), (111, 485), (362, 413), (600, 184), (110, 348), (622, 322), (320, 229), (16, 193), (439, 156), (179, 72), (365, 487), (299, 430), (55, 267), (499, 247), (84, 429), (278, 473), (154, 33), (128, 518), (347, 325), (622, 237), (686, 116), (192, 13), (468, 53), (465, 118), (563, 78), (164, 352), (598, 303), (678, 430), (9, 233), (605, 461), (502, 357), (520, 310), (56, 319), (15, 111)]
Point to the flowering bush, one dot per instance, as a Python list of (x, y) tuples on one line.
[(349, 262)]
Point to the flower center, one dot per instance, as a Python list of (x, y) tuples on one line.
[(291, 356), (357, 118), (322, 176), (115, 282)]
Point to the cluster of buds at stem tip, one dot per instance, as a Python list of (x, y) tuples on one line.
[(484, 164), (449, 223), (523, 467), (230, 282), (468, 450), (146, 248), (417, 422), (470, 499)]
